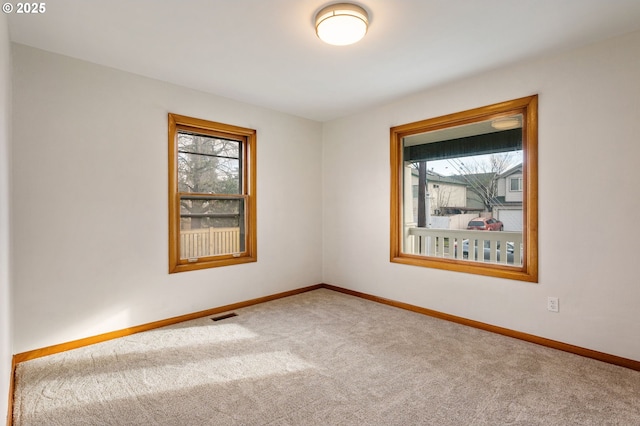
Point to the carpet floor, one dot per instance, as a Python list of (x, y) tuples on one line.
[(322, 358)]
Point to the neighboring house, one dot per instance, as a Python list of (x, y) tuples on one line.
[(475, 183), (508, 204), (460, 194), (446, 195)]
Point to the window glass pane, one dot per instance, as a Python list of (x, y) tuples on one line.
[(208, 165), (456, 184), (516, 184), (208, 145), (210, 226)]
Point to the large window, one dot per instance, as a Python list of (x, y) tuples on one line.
[(464, 191), (212, 198)]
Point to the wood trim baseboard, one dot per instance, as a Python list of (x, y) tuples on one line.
[(50, 350), (11, 387), (554, 344)]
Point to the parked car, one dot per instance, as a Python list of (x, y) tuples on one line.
[(485, 224)]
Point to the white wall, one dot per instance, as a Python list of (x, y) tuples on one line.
[(89, 201), (589, 122), (5, 290)]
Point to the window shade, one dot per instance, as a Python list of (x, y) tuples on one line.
[(489, 143)]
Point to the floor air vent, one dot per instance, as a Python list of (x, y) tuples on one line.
[(225, 316)]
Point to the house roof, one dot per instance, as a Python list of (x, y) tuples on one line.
[(467, 179), (515, 169), (437, 177), (266, 53)]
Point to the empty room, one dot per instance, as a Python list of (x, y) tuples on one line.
[(242, 212)]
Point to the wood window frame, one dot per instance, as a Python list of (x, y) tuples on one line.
[(248, 138), (528, 107)]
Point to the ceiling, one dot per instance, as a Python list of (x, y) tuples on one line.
[(265, 52)]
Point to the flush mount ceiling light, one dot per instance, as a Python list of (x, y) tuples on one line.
[(341, 24), (506, 123)]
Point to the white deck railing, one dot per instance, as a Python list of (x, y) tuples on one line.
[(203, 242), (483, 246)]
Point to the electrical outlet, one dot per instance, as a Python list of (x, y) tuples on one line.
[(553, 304)]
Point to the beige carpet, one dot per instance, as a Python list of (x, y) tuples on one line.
[(322, 358)]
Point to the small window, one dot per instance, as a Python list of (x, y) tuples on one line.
[(516, 184), (212, 217), (452, 184)]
